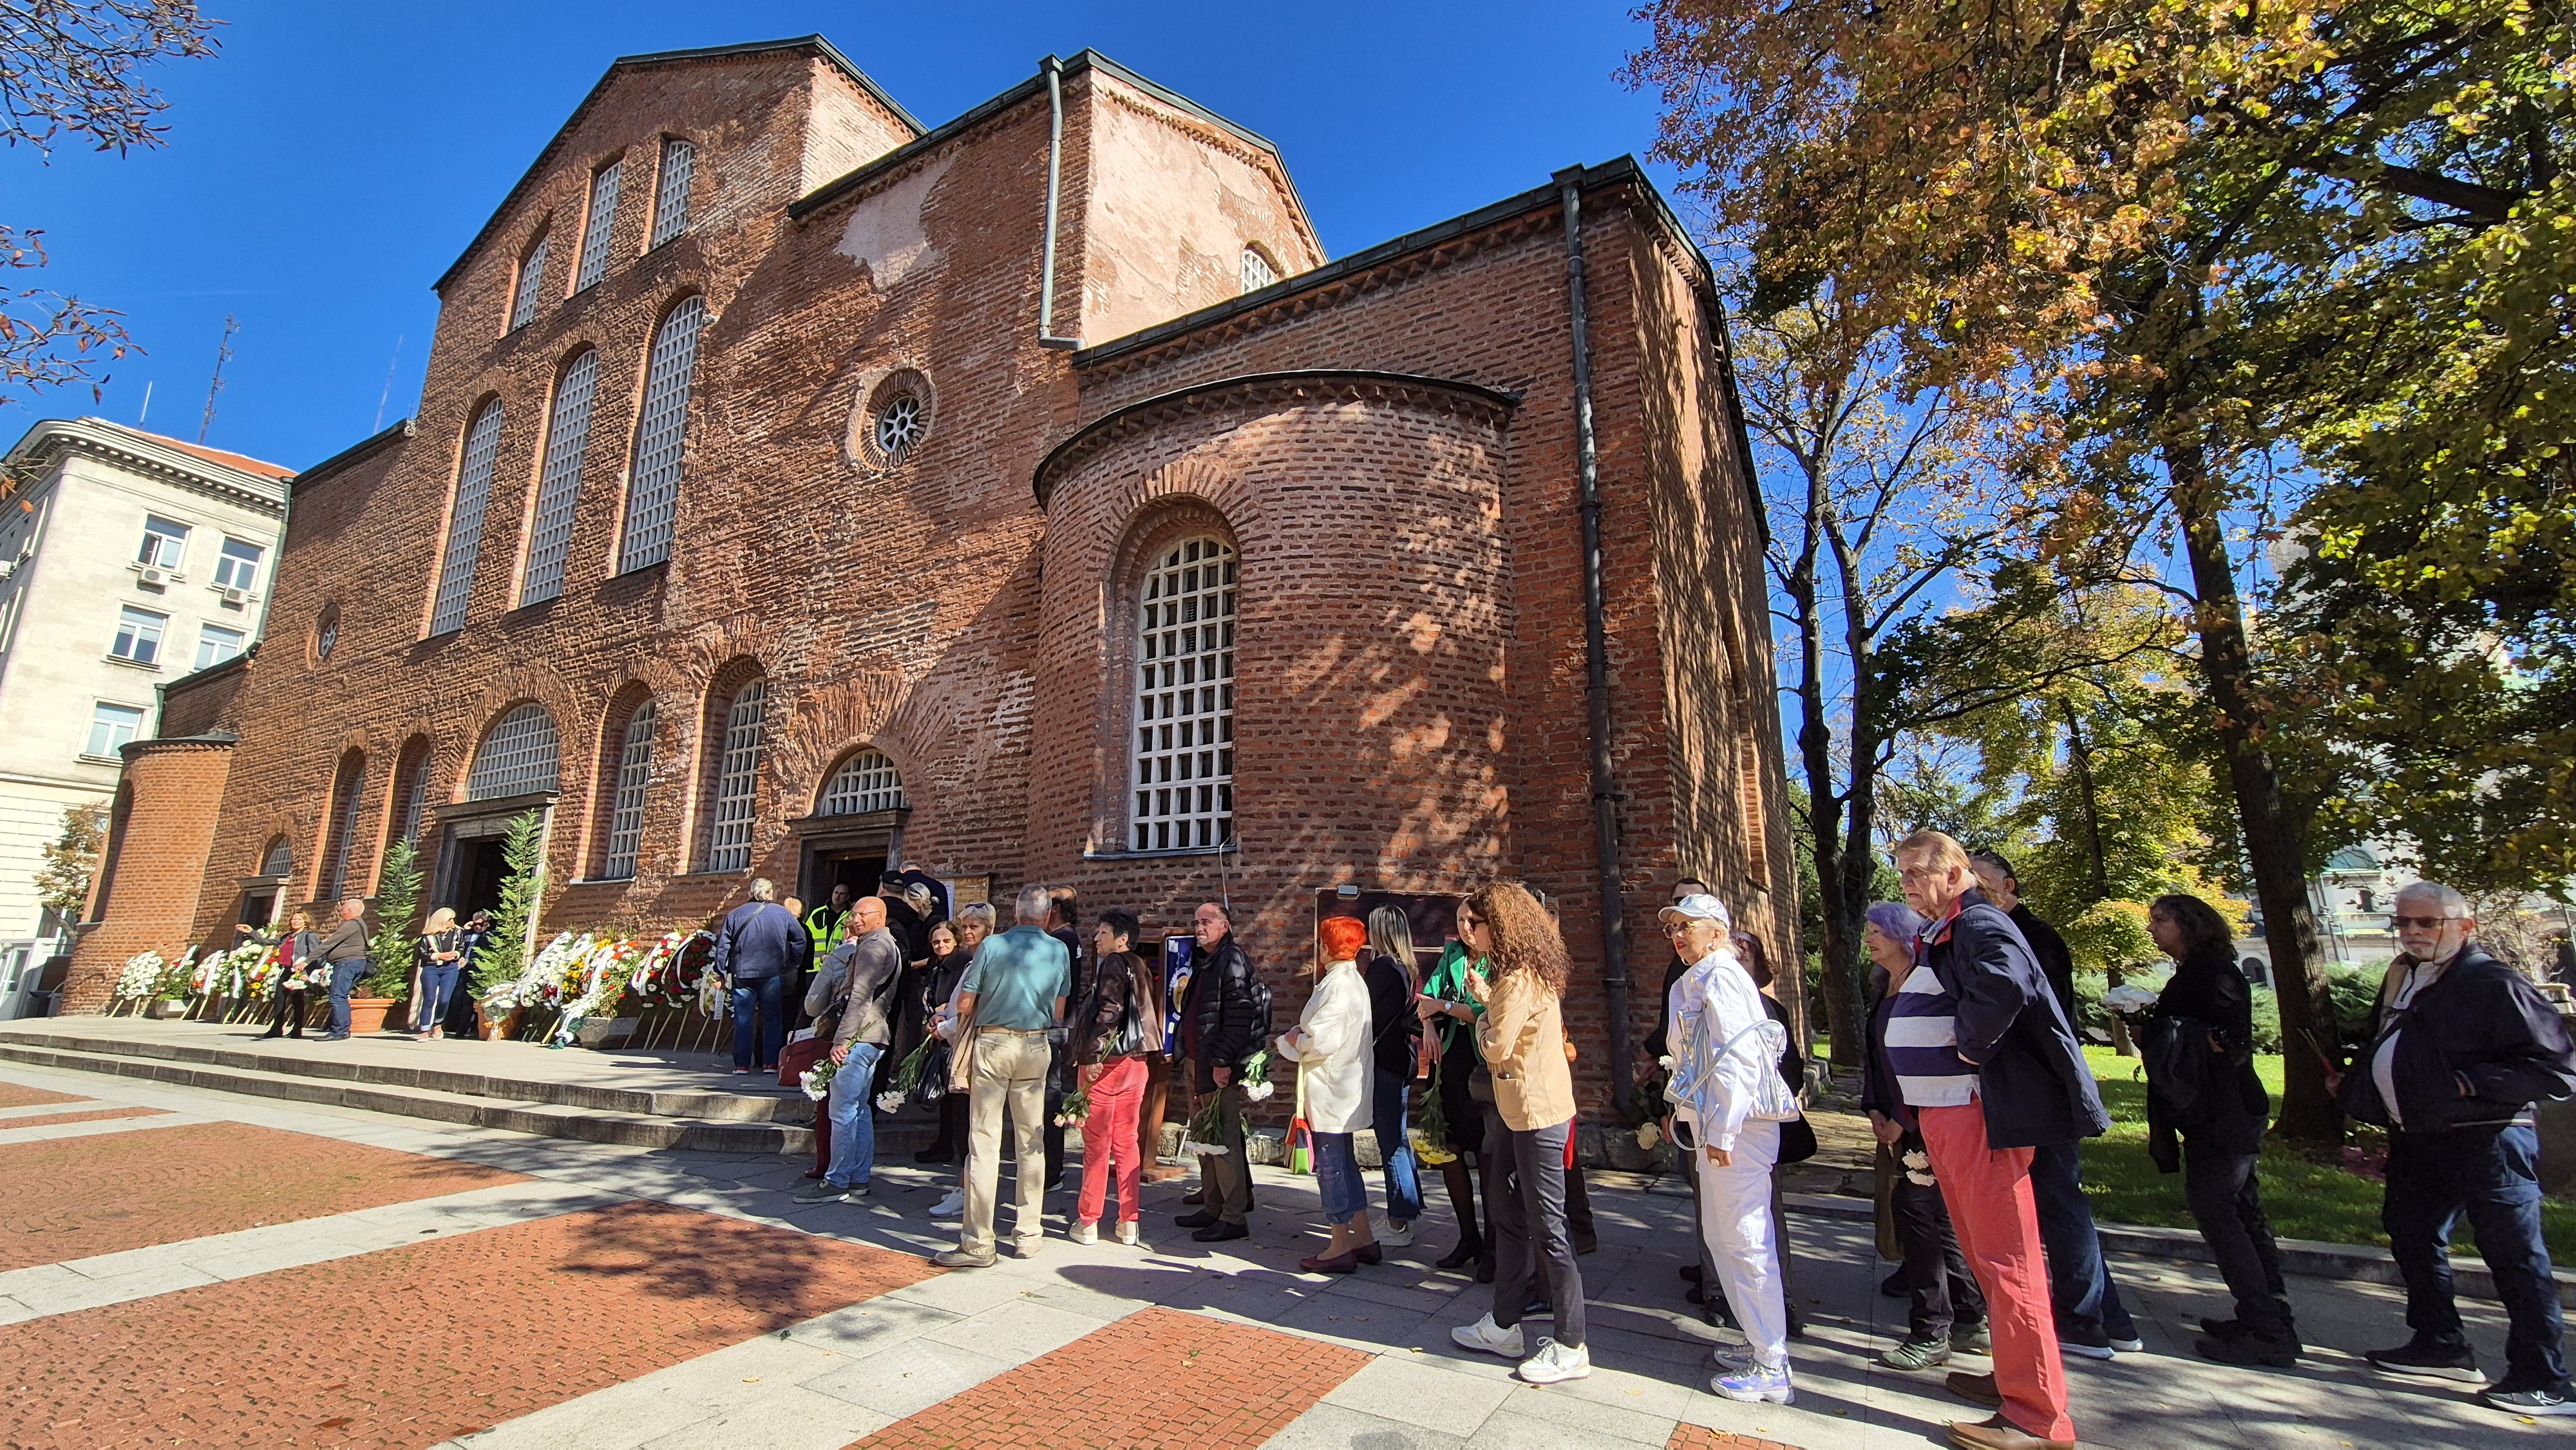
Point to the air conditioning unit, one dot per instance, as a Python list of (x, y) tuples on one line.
[(235, 596), (155, 577)]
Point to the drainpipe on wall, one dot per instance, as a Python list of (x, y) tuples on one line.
[(1596, 649), (1053, 70)]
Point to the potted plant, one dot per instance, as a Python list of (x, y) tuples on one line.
[(387, 984), (499, 965)]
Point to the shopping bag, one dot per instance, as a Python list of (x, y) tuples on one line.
[(1301, 1139)]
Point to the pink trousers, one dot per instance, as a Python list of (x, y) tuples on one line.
[(1109, 1140), (1988, 1193)]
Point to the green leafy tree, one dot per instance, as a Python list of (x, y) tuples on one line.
[(71, 860), (389, 951), (523, 889)]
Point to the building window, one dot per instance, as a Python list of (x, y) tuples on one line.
[(899, 427), (1257, 271), (865, 782), (596, 227), (532, 281), (138, 635), (111, 727), (326, 633), (1184, 761), (519, 756), (465, 521), (238, 566), (164, 543), (278, 859), (737, 781), (671, 194), (216, 644), (1748, 786), (345, 792), (559, 486), (653, 498), (411, 788), (626, 807)]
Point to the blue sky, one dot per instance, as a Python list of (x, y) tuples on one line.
[(336, 157)]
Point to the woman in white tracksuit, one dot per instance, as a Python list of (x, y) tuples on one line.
[(1727, 1099)]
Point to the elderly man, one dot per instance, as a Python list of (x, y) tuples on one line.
[(2028, 1085), (1011, 996), (757, 950), (856, 982), (1229, 1019), (2461, 1046), (344, 947)]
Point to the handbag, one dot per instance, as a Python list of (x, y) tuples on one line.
[(1797, 1140)]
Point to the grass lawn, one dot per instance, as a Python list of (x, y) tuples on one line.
[(2304, 1199)]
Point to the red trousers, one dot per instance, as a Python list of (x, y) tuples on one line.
[(1109, 1139), (1991, 1208)]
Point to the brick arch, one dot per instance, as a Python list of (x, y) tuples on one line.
[(826, 720), (706, 776), (607, 757), (491, 720), (823, 782)]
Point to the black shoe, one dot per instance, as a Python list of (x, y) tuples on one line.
[(272, 1032), (2430, 1361), (1195, 1197), (935, 1154), (1894, 1285), (1538, 1309), (2090, 1343), (1586, 1243), (2222, 1328), (1690, 1273), (2251, 1349), (1200, 1219), (1219, 1231), (1467, 1252), (1797, 1322)]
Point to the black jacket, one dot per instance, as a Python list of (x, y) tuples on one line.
[(1394, 1026), (2055, 962), (2031, 1077), (2213, 1098), (2483, 1025), (1225, 1010)]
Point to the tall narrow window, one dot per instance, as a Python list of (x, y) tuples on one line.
[(737, 781), (1257, 271), (559, 486), (345, 791), (865, 782), (532, 284), (465, 520), (1184, 775), (521, 755), (597, 225), (626, 808), (671, 194), (411, 788), (1748, 792), (653, 497)]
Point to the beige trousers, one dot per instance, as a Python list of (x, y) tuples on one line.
[(1009, 1067)]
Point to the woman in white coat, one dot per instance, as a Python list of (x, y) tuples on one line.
[(1330, 1046), (1728, 1103)]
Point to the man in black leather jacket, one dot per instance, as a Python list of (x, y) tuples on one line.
[(2461, 1046), (1226, 1024)]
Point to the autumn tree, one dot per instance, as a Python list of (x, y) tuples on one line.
[(71, 860)]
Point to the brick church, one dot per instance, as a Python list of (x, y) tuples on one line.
[(798, 488)]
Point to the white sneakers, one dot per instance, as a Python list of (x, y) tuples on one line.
[(1486, 1337), (1084, 1233), (953, 1206), (1128, 1235), (1390, 1234), (1555, 1362)]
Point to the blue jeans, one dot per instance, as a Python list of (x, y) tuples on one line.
[(854, 1117), (1403, 1176), (1337, 1178), (2491, 1175), (344, 980), (2079, 1279), (437, 985), (760, 1002)]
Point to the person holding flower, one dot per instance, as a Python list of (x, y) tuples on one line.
[(1449, 1012), (855, 987), (1945, 1312), (1331, 1046), (1119, 1017), (297, 951), (440, 948)]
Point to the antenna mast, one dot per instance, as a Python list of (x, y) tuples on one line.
[(215, 384)]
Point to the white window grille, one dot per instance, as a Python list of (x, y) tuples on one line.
[(111, 727), (519, 757), (737, 781), (559, 485), (653, 498), (865, 782), (626, 808), (414, 774), (326, 637), (465, 519), (238, 566), (164, 543), (1257, 271), (138, 635), (1184, 761), (595, 228), (900, 426), (532, 284), (279, 859), (216, 644), (671, 195), (345, 793)]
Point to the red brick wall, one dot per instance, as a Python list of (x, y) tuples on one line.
[(146, 895)]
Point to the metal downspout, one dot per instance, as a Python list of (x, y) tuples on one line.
[(1053, 70), (1596, 649)]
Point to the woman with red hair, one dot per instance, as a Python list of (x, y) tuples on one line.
[(1330, 1046)]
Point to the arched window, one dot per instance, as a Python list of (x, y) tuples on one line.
[(465, 519), (1748, 786), (1257, 271), (559, 486), (1184, 759), (653, 498), (278, 859), (519, 756), (671, 195), (346, 789), (411, 788), (532, 282), (866, 782), (626, 803), (737, 783), (598, 224)]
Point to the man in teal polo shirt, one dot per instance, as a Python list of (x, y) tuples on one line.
[(1011, 996)]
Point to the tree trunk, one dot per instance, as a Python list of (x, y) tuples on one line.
[(2275, 839)]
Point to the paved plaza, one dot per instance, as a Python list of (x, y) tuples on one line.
[(190, 1267)]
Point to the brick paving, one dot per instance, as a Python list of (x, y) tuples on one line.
[(70, 1198), (1157, 1377), (412, 1346), (1700, 1437), (93, 1115), (14, 1095)]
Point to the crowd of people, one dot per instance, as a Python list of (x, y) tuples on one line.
[(334, 962)]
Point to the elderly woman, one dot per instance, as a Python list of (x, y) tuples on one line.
[(1945, 1312), (1330, 1045), (1108, 1032), (440, 948), (1521, 1037)]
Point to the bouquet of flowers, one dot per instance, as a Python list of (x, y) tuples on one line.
[(2128, 997), (595, 979), (656, 982), (1076, 1108), (907, 1076), (1203, 1134), (1256, 1077), (1645, 1108), (817, 1081), (142, 975), (1430, 1132)]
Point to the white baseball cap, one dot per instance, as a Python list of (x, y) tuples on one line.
[(1695, 907)]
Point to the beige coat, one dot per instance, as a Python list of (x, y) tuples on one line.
[(1522, 1039)]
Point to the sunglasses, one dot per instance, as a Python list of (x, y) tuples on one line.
[(2427, 923)]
